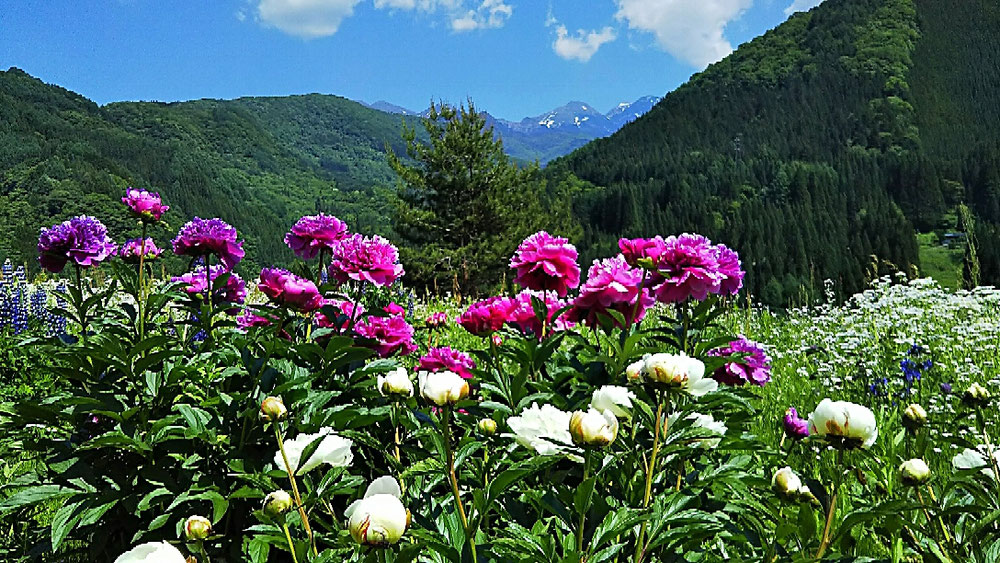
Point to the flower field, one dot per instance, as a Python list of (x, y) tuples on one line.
[(638, 409)]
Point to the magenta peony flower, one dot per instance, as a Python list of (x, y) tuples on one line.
[(795, 426), (147, 205), (436, 320), (637, 249), (612, 285), (546, 263), (755, 367), (286, 289), (523, 318), (342, 314), (250, 320), (201, 237), (234, 290), (395, 309), (314, 233), (486, 317), (446, 359), (82, 240), (730, 268), (688, 267), (365, 259), (133, 249), (391, 335)]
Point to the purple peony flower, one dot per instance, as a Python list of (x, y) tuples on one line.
[(795, 427), (82, 240), (314, 233), (637, 249), (446, 359), (289, 290), (234, 290), (201, 237), (612, 285), (522, 315), (365, 259), (133, 250), (546, 263), (250, 320), (688, 267), (485, 317), (343, 312), (755, 367), (147, 205), (390, 335), (731, 270)]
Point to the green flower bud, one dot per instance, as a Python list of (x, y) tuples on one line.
[(914, 472), (487, 427), (272, 409), (976, 396), (197, 528), (277, 503), (914, 417)]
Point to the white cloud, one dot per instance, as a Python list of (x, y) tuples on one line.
[(802, 6), (690, 30), (305, 18), (583, 45), (489, 14)]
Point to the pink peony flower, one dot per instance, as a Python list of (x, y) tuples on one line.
[(446, 359), (365, 259), (342, 314), (755, 367), (147, 205), (201, 237), (195, 285), (546, 263), (795, 426), (82, 240), (523, 318), (637, 249), (612, 285), (390, 335), (395, 309), (314, 233), (731, 270), (436, 320), (689, 267), (286, 289), (133, 249), (486, 317)]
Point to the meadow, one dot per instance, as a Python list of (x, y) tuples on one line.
[(639, 409)]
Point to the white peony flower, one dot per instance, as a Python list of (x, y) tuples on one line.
[(613, 398), (544, 429), (705, 422), (153, 552), (679, 371), (442, 388), (634, 372), (333, 450), (379, 518), (593, 428), (844, 421), (396, 382)]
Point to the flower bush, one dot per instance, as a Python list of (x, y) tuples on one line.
[(313, 422)]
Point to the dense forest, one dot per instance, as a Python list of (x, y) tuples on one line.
[(819, 149)]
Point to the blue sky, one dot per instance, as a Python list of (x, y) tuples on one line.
[(514, 58)]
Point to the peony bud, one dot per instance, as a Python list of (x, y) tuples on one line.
[(789, 486), (976, 396), (593, 428), (396, 383), (272, 409), (634, 371), (379, 519), (442, 388), (487, 427), (277, 503), (914, 417), (914, 472), (197, 528), (795, 426), (678, 372)]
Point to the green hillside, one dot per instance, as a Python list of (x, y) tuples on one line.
[(257, 162), (829, 140)]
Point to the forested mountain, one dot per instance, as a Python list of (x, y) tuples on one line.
[(824, 142), (259, 163)]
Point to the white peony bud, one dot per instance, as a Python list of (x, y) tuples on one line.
[(914, 472), (442, 388), (634, 372), (395, 383), (679, 372), (152, 552), (378, 519), (914, 417), (613, 398), (277, 503), (272, 409), (844, 424), (593, 428), (197, 528), (976, 395)]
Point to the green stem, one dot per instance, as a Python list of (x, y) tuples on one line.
[(141, 305), (291, 545), (832, 509), (583, 513), (80, 311), (639, 551), (947, 536), (208, 296), (204, 553), (450, 462), (295, 488)]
